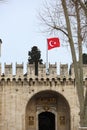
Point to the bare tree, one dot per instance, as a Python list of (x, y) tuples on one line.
[(83, 5), (69, 17)]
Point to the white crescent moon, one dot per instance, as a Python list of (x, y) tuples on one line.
[(51, 43)]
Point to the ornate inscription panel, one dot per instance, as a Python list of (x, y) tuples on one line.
[(46, 101)]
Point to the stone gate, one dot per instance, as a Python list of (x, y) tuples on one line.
[(43, 102)]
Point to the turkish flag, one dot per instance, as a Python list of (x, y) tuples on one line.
[(53, 43)]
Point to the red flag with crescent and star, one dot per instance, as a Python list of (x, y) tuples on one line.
[(53, 43)]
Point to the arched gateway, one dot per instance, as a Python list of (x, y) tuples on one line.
[(43, 102), (47, 110)]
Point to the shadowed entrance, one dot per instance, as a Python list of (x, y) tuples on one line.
[(47, 110), (46, 121)]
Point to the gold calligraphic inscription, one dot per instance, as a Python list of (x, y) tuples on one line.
[(31, 120), (62, 120), (46, 100)]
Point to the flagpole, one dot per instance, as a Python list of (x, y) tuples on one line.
[(0, 46), (47, 69)]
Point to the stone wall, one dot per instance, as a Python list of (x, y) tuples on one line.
[(17, 90), (16, 94)]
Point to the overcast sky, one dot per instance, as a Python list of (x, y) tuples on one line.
[(20, 31)]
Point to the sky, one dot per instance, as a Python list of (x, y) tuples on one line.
[(20, 31)]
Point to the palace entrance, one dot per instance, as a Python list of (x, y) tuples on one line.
[(46, 121), (47, 110)]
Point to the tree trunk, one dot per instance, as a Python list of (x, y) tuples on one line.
[(36, 68), (83, 117), (85, 109), (78, 78)]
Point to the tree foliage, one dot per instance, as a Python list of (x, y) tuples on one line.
[(34, 55), (35, 58)]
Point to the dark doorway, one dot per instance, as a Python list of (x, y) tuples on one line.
[(46, 121)]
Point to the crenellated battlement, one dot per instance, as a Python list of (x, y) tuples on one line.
[(30, 73)]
